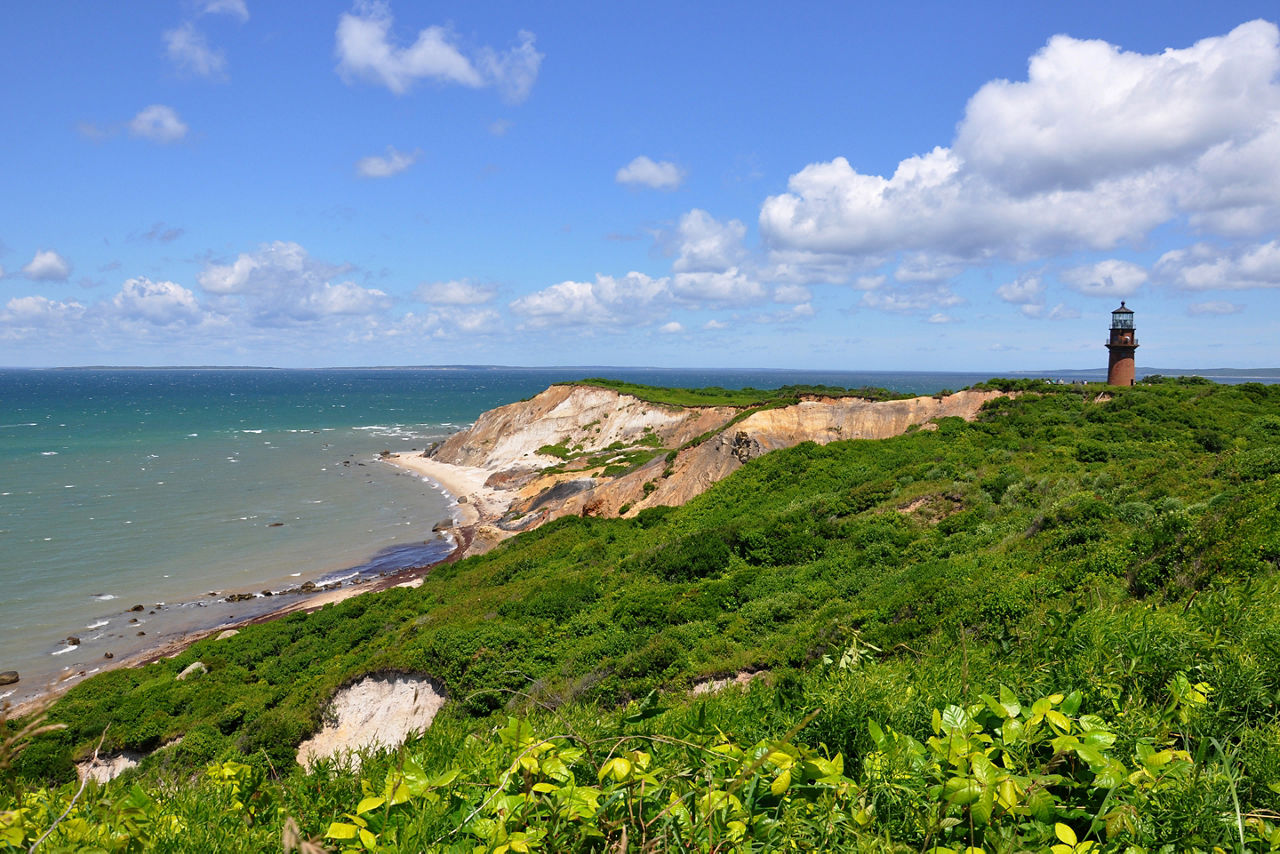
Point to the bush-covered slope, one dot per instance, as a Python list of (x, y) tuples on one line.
[(1111, 553)]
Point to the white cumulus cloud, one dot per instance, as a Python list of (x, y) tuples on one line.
[(47, 266), (1203, 267), (628, 300), (1025, 290), (392, 163), (659, 175), (705, 244), (1094, 150), (457, 292), (1110, 278), (913, 299), (158, 123), (366, 51), (281, 283), (156, 302), (731, 286), (672, 328)]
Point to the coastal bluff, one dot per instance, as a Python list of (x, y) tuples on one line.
[(585, 450)]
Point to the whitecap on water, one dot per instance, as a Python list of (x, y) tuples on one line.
[(67, 648), (104, 597), (48, 453), (98, 624)]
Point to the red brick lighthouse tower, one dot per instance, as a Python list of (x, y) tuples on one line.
[(1120, 347)]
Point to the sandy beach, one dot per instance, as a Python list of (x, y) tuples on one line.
[(477, 503)]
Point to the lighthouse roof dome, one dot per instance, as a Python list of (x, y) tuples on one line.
[(1122, 309)]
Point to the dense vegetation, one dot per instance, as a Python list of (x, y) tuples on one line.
[(743, 397), (1056, 626)]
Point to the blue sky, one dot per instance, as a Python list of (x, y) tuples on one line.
[(925, 186)]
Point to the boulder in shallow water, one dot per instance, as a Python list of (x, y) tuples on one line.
[(195, 668), (8, 677)]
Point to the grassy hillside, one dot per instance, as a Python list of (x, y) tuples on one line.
[(1057, 625), (744, 397)]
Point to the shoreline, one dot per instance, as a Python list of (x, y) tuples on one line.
[(474, 503), (471, 503)]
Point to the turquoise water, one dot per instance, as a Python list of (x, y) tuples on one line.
[(172, 488)]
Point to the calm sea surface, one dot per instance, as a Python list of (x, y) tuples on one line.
[(171, 488)]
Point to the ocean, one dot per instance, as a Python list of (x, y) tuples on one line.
[(171, 488)]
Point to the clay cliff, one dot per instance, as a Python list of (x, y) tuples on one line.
[(584, 450)]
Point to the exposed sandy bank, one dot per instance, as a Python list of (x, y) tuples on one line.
[(376, 712)]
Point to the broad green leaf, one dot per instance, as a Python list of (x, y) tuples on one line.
[(444, 778), (1112, 774), (414, 777), (1041, 804), (780, 759), (618, 768), (781, 783), (1071, 705), (982, 808), (1065, 833), (369, 804), (341, 830), (1010, 702), (368, 839), (955, 718), (1059, 721), (961, 790), (1091, 754), (994, 705)]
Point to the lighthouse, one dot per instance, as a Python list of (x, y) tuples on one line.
[(1120, 347)]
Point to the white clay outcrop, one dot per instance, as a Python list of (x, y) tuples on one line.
[(376, 712)]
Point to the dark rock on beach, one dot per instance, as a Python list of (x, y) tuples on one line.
[(137, 608), (73, 641), (8, 677)]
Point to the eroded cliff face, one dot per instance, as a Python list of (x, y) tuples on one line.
[(597, 426), (582, 417), (820, 420)]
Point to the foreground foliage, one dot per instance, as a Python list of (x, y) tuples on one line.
[(1058, 626)]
